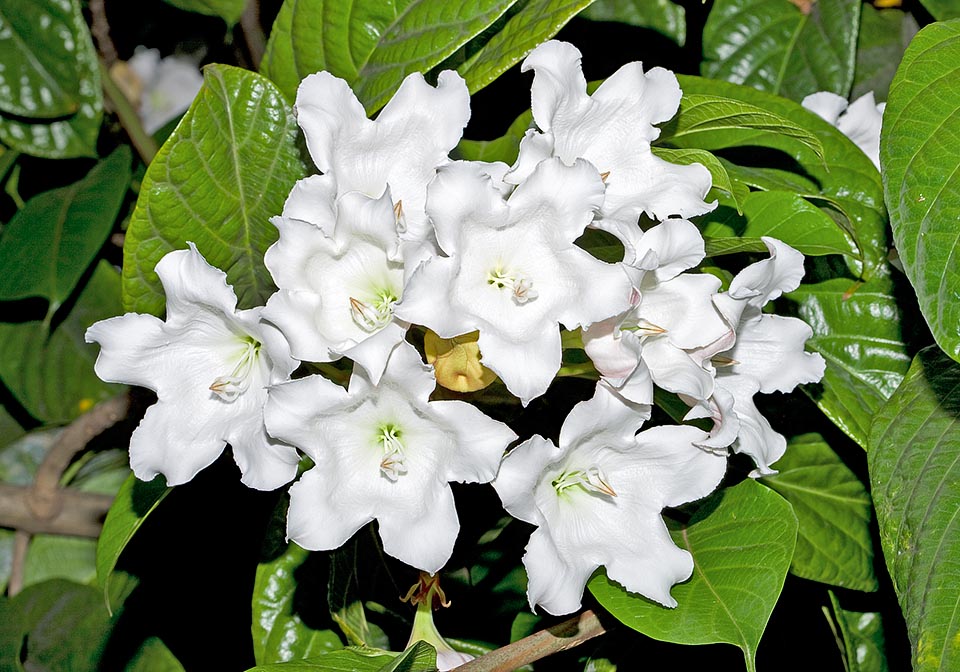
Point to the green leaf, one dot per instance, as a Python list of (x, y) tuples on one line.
[(371, 44), (279, 633), (848, 181), (536, 22), (51, 374), (10, 431), (154, 656), (228, 10), (914, 461), (134, 502), (216, 182), (53, 239), (942, 10), (50, 98), (55, 625), (785, 216), (349, 564), (721, 180), (857, 328), (884, 36), (779, 47), (921, 175), (350, 659), (860, 636), (505, 148), (833, 510), (742, 540), (662, 16), (419, 657)]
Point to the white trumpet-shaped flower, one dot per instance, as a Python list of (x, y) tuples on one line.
[(411, 136), (339, 275), (210, 365), (612, 129), (860, 120), (512, 271), (383, 453), (597, 500)]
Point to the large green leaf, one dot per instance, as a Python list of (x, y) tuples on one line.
[(662, 16), (51, 374), (55, 625), (154, 656), (134, 502), (860, 636), (833, 509), (785, 216), (51, 241), (371, 44), (857, 329), (793, 49), (350, 659), (741, 552), (50, 98), (536, 22), (922, 174), (218, 179), (844, 178), (279, 633), (884, 36), (914, 461), (942, 9), (228, 10)]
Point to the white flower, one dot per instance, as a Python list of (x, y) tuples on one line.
[(671, 318), (383, 453), (339, 275), (209, 364), (596, 500), (411, 136), (512, 271), (613, 130), (768, 356), (168, 84), (860, 120)]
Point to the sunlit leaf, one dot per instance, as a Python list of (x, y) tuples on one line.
[(663, 16)]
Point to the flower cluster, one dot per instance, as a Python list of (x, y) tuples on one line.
[(395, 235)]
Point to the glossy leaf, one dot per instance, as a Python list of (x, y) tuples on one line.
[(914, 461), (785, 216), (49, 243), (536, 22), (351, 659), (228, 10), (884, 36), (505, 148), (921, 177), (860, 636), (372, 45), (218, 179), (857, 328), (51, 374), (792, 49), (279, 633), (942, 10), (419, 657), (134, 502), (730, 596), (845, 178), (833, 510), (50, 99), (55, 625), (662, 16)]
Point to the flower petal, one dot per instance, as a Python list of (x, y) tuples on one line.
[(527, 368), (480, 442), (606, 415), (190, 282), (555, 580), (313, 200), (463, 192), (826, 105), (769, 349), (291, 411), (295, 314), (327, 110), (316, 521), (373, 352), (426, 540), (558, 82), (265, 463), (426, 300), (519, 473), (767, 279)]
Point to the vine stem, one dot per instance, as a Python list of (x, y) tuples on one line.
[(566, 635), (144, 143)]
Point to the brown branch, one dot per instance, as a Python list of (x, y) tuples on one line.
[(46, 497), (566, 635), (21, 541), (253, 33), (142, 141), (100, 28), (80, 513)]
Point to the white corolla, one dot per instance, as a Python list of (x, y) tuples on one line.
[(210, 365)]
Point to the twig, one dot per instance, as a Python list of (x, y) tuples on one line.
[(144, 143), (252, 32), (80, 514), (100, 28), (21, 541), (572, 632)]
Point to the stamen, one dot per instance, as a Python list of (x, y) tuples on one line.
[(644, 328), (604, 176), (231, 386), (591, 480), (721, 361), (376, 316), (523, 290), (401, 220), (392, 465)]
